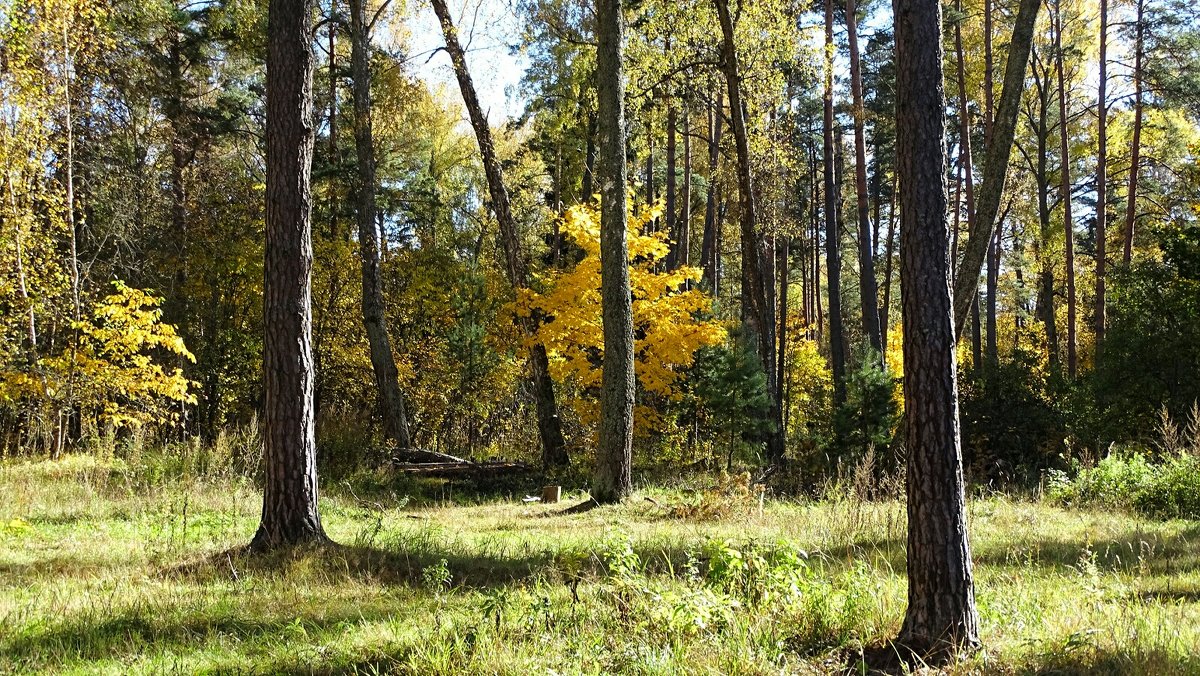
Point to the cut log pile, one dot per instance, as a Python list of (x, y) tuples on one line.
[(422, 462)]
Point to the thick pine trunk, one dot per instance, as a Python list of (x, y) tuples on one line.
[(995, 162), (383, 362), (289, 514), (760, 317), (1065, 158), (833, 254), (941, 613), (554, 450), (868, 289), (1102, 182), (613, 480)]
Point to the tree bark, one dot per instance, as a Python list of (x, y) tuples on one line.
[(760, 318), (1065, 158), (1042, 179), (1135, 152), (941, 615), (554, 450), (710, 242), (289, 514), (968, 170), (868, 289), (682, 254), (613, 480), (383, 362), (995, 162), (833, 255), (672, 174), (993, 253), (1102, 182)]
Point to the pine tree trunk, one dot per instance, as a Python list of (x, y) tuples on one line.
[(1135, 152), (941, 613), (554, 450), (868, 289), (710, 242), (683, 246), (761, 312), (383, 362), (613, 479), (993, 253), (833, 255), (289, 514), (1042, 179), (672, 180), (1102, 182), (995, 162), (1068, 221)]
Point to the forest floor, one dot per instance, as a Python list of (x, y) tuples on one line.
[(108, 566)]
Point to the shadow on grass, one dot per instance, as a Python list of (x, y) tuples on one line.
[(143, 629), (1131, 552)]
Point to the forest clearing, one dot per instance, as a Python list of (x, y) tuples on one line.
[(126, 568), (600, 336)]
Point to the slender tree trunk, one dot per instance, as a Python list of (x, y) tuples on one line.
[(993, 253), (589, 159), (683, 246), (995, 163), (1135, 152), (833, 255), (781, 352), (1102, 182), (816, 252), (1068, 221), (289, 514), (1042, 179), (761, 315), (941, 613), (889, 256), (613, 480), (554, 452), (711, 242), (868, 290), (383, 362), (672, 177), (964, 141)]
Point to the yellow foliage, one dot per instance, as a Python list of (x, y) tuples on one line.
[(109, 368), (668, 328)]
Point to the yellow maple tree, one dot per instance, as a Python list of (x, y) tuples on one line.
[(668, 315)]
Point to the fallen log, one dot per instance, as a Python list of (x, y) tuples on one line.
[(460, 469)]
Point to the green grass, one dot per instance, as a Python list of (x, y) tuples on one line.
[(107, 567)]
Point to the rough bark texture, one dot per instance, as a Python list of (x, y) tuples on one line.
[(383, 362), (993, 254), (833, 255), (868, 289), (941, 613), (1101, 320), (289, 514), (995, 163), (613, 479), (757, 295), (1135, 151), (554, 450), (1065, 159)]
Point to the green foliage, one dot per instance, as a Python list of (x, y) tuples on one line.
[(1151, 357), (869, 416), (1012, 425), (731, 389), (1168, 488)]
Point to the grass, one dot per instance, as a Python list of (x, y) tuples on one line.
[(108, 567)]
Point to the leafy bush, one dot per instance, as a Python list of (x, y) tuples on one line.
[(1168, 489)]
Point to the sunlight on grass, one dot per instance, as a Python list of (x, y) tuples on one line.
[(107, 568)]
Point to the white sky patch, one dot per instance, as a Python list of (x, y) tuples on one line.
[(488, 31)]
